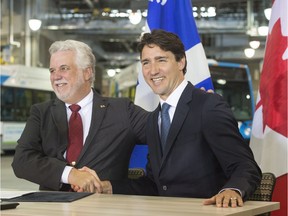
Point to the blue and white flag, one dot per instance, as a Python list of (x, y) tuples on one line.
[(175, 16)]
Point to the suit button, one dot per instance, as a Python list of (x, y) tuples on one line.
[(164, 187)]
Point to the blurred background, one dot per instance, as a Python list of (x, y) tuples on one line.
[(232, 32), (112, 28)]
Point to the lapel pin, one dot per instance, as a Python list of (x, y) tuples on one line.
[(102, 106)]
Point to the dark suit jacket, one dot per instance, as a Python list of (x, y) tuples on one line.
[(116, 126), (204, 152)]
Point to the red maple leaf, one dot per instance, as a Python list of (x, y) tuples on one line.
[(273, 84)]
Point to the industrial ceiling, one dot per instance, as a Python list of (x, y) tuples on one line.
[(105, 26)]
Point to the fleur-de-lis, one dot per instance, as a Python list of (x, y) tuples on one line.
[(163, 2)]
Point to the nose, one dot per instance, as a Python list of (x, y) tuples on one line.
[(55, 75), (154, 69)]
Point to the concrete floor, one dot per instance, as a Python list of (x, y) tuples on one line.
[(9, 181)]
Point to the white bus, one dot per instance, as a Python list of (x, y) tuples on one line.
[(21, 86)]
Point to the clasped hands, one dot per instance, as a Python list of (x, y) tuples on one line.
[(87, 180)]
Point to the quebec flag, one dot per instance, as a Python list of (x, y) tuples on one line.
[(175, 16)]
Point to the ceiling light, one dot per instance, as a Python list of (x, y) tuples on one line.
[(221, 81), (144, 13), (249, 52), (111, 72), (34, 24), (263, 30), (135, 17), (254, 44), (211, 11), (267, 13)]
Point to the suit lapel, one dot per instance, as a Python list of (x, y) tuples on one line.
[(180, 114), (156, 138), (59, 115), (99, 109)]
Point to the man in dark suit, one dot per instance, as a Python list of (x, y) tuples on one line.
[(111, 127), (204, 155)]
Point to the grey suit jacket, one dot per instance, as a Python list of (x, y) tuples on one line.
[(116, 126), (204, 152)]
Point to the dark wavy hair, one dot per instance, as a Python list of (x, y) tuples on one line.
[(167, 41)]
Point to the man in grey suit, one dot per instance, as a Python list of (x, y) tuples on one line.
[(204, 155), (111, 127)]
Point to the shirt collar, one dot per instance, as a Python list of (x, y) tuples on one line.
[(85, 101), (175, 95)]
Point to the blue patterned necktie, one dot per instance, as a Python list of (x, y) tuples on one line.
[(165, 123)]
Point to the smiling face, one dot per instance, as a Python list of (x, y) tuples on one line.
[(70, 83), (161, 70)]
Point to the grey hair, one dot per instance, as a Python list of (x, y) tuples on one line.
[(84, 55)]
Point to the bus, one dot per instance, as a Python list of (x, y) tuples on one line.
[(21, 86), (231, 80)]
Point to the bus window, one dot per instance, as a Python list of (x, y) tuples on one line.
[(23, 102), (23, 97), (7, 96), (7, 104), (15, 108), (42, 96)]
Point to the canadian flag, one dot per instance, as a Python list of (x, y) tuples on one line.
[(269, 140)]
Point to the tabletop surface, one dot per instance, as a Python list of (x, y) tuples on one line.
[(127, 205)]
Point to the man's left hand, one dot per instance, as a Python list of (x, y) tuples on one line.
[(225, 199)]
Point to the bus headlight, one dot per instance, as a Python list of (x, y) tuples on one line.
[(247, 131)]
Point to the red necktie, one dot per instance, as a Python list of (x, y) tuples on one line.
[(75, 135)]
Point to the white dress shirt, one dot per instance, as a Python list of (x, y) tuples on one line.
[(172, 100), (86, 115)]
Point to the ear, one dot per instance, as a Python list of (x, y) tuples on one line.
[(88, 73), (181, 63)]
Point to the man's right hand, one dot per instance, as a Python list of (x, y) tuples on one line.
[(84, 181), (106, 186)]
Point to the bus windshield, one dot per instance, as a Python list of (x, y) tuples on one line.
[(233, 83)]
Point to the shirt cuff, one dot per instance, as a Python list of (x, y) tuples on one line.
[(235, 189), (65, 174)]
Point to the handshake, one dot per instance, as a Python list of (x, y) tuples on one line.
[(87, 180)]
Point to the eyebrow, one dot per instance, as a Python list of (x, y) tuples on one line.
[(161, 57), (156, 58), (63, 65)]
